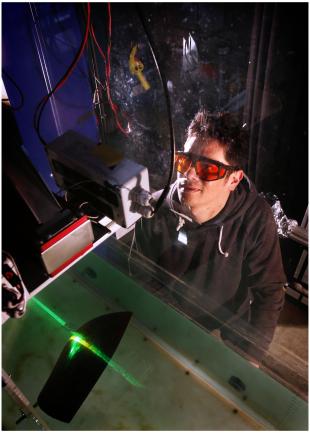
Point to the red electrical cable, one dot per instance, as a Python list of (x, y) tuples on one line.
[(107, 60), (62, 81), (109, 39), (74, 63), (97, 44), (110, 21), (70, 70)]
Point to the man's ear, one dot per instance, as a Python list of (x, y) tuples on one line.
[(234, 179)]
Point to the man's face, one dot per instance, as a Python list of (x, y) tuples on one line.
[(198, 193)]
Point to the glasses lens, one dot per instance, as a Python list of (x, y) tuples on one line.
[(209, 171), (182, 163)]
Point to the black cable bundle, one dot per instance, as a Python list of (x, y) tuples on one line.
[(166, 93)]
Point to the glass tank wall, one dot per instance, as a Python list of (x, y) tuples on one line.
[(246, 59), (166, 373), (169, 371), (144, 389)]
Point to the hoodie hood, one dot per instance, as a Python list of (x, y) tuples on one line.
[(238, 203)]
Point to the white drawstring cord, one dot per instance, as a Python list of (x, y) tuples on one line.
[(174, 187), (181, 223), (131, 246), (182, 216), (248, 181), (224, 253)]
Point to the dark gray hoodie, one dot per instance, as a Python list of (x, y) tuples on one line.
[(231, 265)]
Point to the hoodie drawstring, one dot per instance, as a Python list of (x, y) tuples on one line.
[(224, 253), (181, 223)]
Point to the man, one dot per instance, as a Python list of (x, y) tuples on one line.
[(219, 237)]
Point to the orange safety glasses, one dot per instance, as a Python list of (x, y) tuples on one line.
[(206, 169)]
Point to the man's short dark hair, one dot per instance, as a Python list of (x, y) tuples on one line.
[(226, 128)]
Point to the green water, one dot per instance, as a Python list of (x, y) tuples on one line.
[(168, 399)]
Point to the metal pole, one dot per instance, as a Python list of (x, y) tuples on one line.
[(24, 404)]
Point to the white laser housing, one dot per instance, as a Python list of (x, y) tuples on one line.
[(77, 170)]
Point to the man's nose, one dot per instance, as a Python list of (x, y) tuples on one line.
[(191, 173)]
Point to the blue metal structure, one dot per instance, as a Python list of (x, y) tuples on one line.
[(39, 41)]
